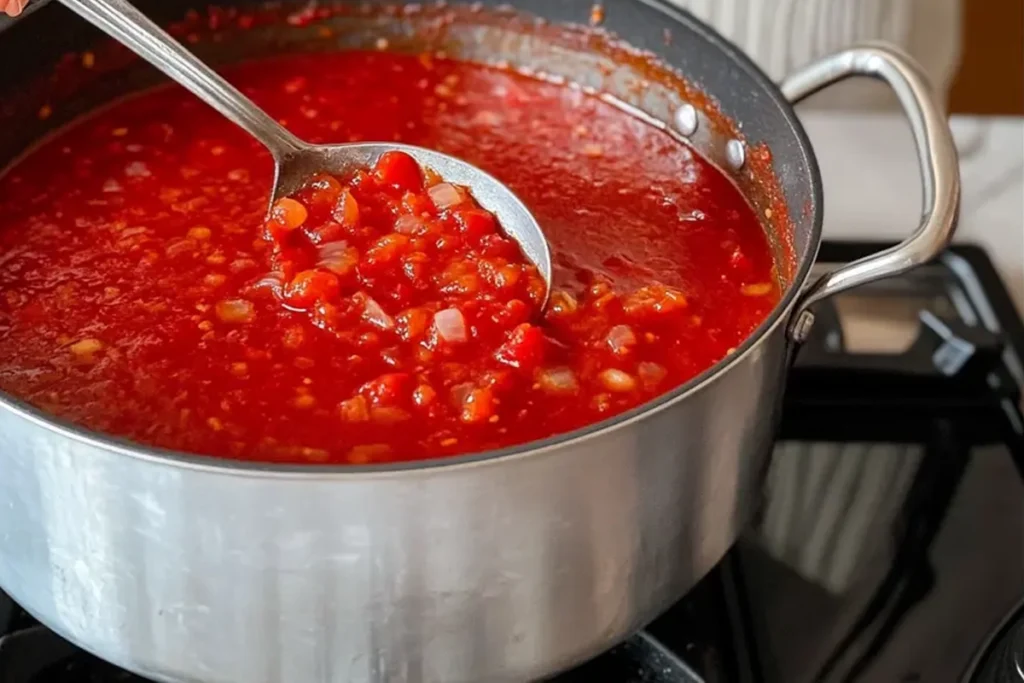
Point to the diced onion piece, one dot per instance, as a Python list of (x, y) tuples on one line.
[(487, 118), (86, 347), (304, 401), (314, 454), (329, 249), (180, 248), (241, 264), (271, 281), (375, 315), (460, 392), (621, 339), (562, 303), (137, 169), (451, 326), (757, 289), (337, 257), (617, 380), (446, 195), (671, 300), (235, 310), (653, 299), (407, 224), (200, 233), (558, 381), (651, 373), (364, 453)]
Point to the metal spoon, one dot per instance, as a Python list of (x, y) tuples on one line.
[(294, 160)]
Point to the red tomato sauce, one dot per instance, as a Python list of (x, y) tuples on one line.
[(141, 296)]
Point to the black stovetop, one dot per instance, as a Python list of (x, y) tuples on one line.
[(891, 543)]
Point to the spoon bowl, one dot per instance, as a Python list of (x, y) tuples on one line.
[(295, 161), (295, 168)]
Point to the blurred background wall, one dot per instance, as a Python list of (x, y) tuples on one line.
[(991, 75)]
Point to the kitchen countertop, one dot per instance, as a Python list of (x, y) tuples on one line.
[(872, 186)]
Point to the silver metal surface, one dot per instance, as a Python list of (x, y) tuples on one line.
[(686, 119), (940, 173), (295, 160), (1000, 657), (506, 569), (503, 566), (735, 154)]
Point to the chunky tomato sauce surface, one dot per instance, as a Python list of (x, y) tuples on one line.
[(141, 294)]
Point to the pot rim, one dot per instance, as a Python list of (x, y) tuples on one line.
[(576, 437)]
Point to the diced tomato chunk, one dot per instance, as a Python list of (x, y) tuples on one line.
[(311, 286), (475, 223), (330, 231), (424, 396), (323, 192), (432, 177), (514, 312), (354, 409), (287, 214), (417, 204), (387, 248), (496, 245), (415, 266), (498, 380), (524, 348), (390, 389), (653, 300), (346, 209), (477, 407), (413, 323), (399, 170)]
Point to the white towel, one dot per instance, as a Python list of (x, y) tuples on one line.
[(782, 35)]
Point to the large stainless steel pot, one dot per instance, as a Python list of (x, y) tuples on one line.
[(503, 566)]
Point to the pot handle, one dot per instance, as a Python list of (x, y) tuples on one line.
[(937, 155)]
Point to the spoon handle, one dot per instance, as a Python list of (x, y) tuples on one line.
[(122, 21)]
